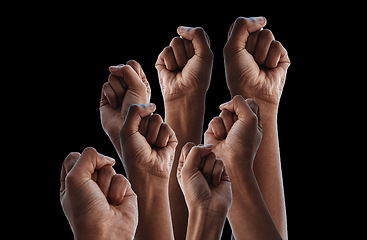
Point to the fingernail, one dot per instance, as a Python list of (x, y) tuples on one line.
[(183, 29), (209, 146), (113, 68), (223, 105), (260, 19), (110, 160), (150, 105)]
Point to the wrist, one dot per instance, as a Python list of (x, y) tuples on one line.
[(205, 224), (267, 107), (83, 232), (194, 94), (191, 102), (186, 117), (148, 185)]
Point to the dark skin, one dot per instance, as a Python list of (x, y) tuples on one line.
[(256, 67)]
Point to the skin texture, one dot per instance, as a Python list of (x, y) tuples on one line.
[(148, 147), (127, 84), (235, 136), (256, 67), (98, 203), (184, 69), (207, 190)]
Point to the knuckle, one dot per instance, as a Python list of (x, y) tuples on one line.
[(266, 34), (132, 62), (199, 32), (176, 41), (242, 21), (90, 151), (156, 118), (72, 156), (133, 108), (238, 99)]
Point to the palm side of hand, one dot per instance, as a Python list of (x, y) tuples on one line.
[(185, 66), (232, 144), (148, 144), (256, 64), (195, 76), (97, 208), (94, 198), (237, 132), (252, 81), (127, 84), (215, 198), (141, 157), (113, 118)]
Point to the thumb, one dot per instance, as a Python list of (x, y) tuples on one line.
[(89, 161), (239, 106), (194, 157), (198, 37), (129, 76), (134, 115), (241, 29)]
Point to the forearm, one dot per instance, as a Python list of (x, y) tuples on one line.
[(249, 216), (205, 225), (267, 169), (154, 212), (185, 117), (115, 139)]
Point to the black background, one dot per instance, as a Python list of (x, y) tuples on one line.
[(73, 46)]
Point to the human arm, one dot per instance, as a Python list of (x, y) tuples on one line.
[(236, 135), (148, 147), (207, 190), (184, 69), (98, 203), (256, 67)]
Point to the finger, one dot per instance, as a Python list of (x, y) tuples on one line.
[(218, 128), (217, 172), (89, 161), (277, 55), (227, 118), (189, 49), (225, 176), (251, 42), (139, 70), (154, 125), (256, 109), (241, 29), (104, 100), (110, 95), (178, 48), (163, 135), (134, 115), (117, 189), (143, 127), (184, 152), (186, 149), (130, 77), (238, 106), (116, 86), (67, 165), (207, 170), (194, 157), (198, 37), (166, 60), (172, 139), (104, 178), (128, 199), (262, 46)]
